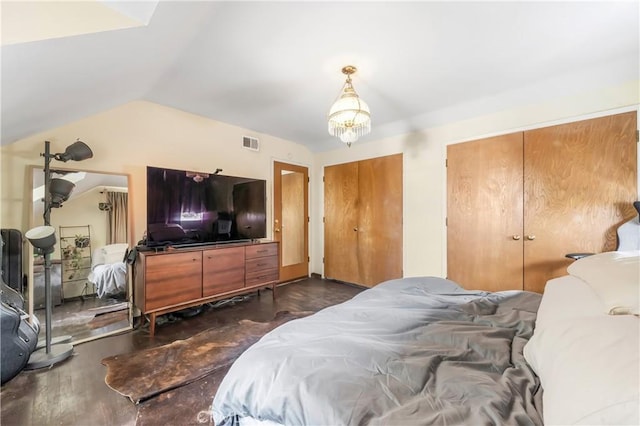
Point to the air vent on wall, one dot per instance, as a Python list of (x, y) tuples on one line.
[(250, 143)]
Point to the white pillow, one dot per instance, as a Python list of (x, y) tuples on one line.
[(566, 297), (615, 278), (114, 253), (589, 370), (97, 258), (115, 248), (588, 362)]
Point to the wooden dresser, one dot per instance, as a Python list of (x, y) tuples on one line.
[(172, 280)]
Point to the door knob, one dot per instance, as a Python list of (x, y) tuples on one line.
[(355, 229), (531, 237), (516, 237), (276, 230)]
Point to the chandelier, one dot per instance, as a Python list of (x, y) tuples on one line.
[(349, 116)]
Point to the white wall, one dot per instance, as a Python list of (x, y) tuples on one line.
[(128, 138), (424, 231), (131, 137)]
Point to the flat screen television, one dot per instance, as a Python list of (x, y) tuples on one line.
[(191, 208)]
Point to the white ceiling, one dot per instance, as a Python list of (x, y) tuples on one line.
[(274, 67)]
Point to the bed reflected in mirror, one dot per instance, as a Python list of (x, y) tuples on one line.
[(90, 281)]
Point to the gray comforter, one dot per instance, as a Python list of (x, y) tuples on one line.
[(408, 351)]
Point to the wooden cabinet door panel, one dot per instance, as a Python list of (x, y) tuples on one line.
[(579, 186), (172, 279), (484, 213), (222, 270)]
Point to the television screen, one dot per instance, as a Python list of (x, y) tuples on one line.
[(187, 208)]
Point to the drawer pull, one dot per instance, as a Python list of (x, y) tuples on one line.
[(262, 251), (261, 264)]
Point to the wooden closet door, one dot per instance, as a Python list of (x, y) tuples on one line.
[(580, 181), (380, 219), (484, 213), (363, 221), (341, 222)]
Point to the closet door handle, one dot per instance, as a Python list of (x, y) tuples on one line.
[(355, 229), (516, 237), (531, 237)]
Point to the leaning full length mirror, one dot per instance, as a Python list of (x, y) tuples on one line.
[(293, 218), (90, 288)]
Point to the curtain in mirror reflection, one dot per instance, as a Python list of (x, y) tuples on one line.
[(118, 217)]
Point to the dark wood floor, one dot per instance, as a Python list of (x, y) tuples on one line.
[(74, 393), (80, 319)]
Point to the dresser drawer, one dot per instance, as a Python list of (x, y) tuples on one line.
[(262, 263), (261, 250), (259, 277)]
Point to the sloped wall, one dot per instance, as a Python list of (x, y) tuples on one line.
[(127, 139)]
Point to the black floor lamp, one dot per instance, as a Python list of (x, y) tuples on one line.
[(43, 239)]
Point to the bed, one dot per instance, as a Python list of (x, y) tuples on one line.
[(425, 351), (108, 270), (408, 349)]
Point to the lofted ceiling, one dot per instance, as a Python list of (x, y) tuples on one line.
[(274, 67)]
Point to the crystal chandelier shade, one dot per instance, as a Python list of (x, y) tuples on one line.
[(349, 116)]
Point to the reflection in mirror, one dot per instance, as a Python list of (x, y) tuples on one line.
[(89, 280), (293, 216)]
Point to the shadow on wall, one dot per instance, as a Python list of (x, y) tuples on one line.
[(414, 142)]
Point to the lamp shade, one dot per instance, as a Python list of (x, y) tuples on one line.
[(60, 190), (42, 238), (77, 151), (349, 116)]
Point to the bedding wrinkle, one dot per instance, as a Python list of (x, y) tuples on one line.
[(109, 279), (410, 351)]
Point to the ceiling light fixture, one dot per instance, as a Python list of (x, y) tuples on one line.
[(349, 116)]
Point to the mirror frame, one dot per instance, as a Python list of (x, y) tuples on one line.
[(299, 270), (30, 265)]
